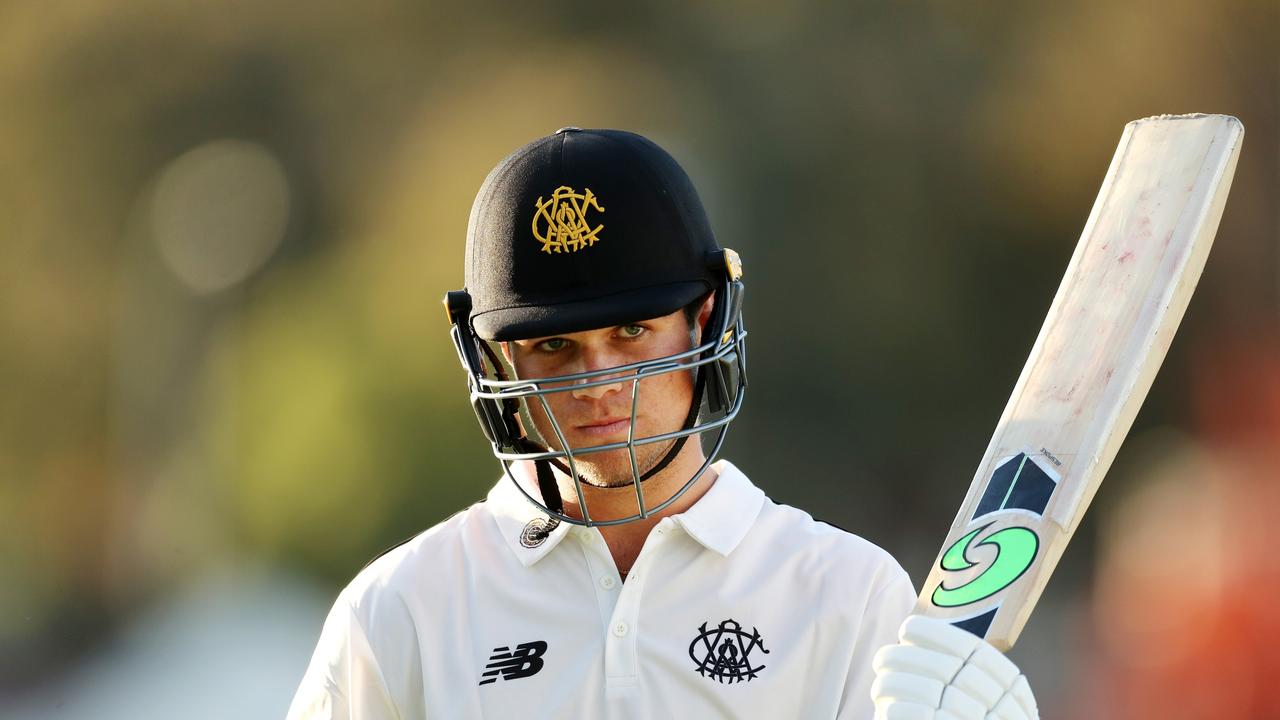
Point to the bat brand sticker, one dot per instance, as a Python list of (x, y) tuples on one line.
[(1016, 549), (1019, 484)]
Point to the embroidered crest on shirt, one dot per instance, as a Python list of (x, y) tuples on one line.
[(723, 652), (510, 664), (535, 531)]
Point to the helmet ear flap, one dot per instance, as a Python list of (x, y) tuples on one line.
[(497, 418), (722, 375), (508, 428)]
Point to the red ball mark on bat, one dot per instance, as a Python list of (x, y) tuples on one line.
[(1128, 255), (1143, 229)]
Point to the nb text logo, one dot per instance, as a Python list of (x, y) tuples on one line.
[(510, 664)]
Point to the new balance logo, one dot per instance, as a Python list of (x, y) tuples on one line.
[(524, 661)]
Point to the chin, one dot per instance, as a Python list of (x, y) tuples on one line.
[(612, 469), (609, 469)]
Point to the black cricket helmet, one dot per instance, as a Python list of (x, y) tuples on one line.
[(587, 229)]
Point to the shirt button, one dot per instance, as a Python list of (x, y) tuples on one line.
[(607, 582), (621, 629)]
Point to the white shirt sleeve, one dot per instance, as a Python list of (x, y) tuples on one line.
[(343, 681), (884, 614)]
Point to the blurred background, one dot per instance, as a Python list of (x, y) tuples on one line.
[(226, 382)]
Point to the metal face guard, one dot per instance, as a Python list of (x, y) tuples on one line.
[(719, 362)]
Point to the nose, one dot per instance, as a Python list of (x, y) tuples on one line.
[(596, 392), (593, 361)]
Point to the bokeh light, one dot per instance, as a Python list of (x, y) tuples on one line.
[(218, 212)]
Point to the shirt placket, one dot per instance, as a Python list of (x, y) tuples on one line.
[(619, 605)]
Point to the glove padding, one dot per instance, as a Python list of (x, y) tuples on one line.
[(940, 672)]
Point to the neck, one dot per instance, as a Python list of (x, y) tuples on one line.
[(626, 540)]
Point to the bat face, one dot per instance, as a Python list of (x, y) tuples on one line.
[(1105, 336)]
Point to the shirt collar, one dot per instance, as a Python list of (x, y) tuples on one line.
[(514, 514), (721, 518), (718, 521)]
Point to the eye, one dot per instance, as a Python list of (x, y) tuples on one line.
[(631, 331), (552, 345)]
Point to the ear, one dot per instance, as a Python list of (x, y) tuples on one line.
[(508, 349), (705, 313)]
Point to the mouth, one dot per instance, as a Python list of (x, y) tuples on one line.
[(606, 427)]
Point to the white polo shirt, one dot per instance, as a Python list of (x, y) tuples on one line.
[(737, 608)]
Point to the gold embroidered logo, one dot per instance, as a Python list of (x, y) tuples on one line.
[(560, 222)]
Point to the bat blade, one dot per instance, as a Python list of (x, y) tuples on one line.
[(1107, 331)]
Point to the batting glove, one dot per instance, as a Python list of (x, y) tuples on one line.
[(940, 672)]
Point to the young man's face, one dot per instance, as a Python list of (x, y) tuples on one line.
[(590, 416)]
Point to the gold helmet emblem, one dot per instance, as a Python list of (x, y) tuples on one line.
[(560, 222)]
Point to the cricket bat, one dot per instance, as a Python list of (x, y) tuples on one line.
[(1123, 295)]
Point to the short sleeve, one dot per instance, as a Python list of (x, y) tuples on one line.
[(343, 681), (884, 615)]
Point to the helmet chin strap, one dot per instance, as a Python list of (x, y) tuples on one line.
[(547, 484), (699, 385)]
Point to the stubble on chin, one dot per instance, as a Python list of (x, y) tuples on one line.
[(614, 471)]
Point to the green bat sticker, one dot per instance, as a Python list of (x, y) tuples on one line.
[(1016, 548)]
